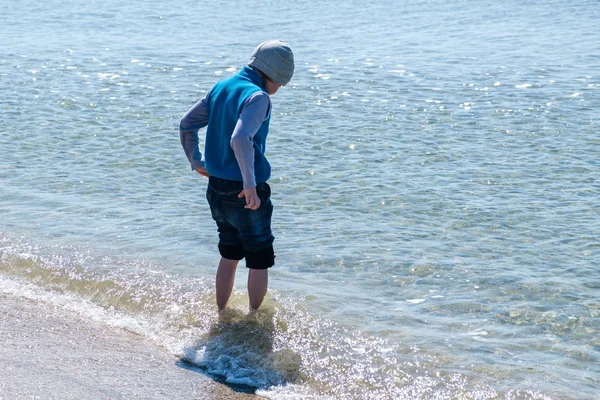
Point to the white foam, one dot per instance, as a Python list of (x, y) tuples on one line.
[(415, 301)]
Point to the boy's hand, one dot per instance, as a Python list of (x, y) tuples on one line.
[(202, 171), (252, 200)]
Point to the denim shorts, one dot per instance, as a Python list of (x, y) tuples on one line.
[(243, 233)]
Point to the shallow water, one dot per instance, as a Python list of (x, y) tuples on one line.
[(435, 189)]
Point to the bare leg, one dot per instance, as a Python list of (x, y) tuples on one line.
[(225, 279), (258, 281)]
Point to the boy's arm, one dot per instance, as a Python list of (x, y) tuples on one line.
[(254, 112), (194, 120)]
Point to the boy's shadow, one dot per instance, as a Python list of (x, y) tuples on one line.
[(238, 351)]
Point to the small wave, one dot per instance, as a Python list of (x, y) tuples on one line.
[(239, 350)]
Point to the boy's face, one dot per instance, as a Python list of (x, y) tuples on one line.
[(271, 86)]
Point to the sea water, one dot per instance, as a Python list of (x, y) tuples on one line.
[(435, 183)]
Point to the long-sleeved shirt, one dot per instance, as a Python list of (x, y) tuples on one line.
[(255, 110)]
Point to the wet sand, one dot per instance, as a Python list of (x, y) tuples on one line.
[(48, 353)]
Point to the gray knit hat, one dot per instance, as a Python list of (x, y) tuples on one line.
[(275, 59)]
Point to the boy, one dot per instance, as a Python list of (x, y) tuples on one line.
[(236, 112)]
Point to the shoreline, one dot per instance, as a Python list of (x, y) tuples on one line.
[(52, 353)]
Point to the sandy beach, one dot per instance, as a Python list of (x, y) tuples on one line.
[(49, 353)]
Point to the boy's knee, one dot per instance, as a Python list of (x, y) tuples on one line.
[(235, 252), (261, 259)]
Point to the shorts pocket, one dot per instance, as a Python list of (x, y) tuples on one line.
[(264, 191)]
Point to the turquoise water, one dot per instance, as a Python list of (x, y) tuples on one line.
[(435, 182)]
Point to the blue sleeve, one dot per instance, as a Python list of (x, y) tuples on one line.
[(254, 112), (194, 120)]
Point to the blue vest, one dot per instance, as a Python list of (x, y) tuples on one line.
[(224, 102)]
